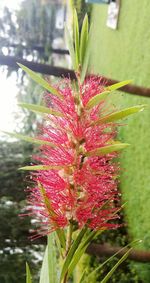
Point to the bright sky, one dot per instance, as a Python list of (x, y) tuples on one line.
[(8, 88)]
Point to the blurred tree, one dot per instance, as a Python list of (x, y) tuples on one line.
[(15, 246), (30, 31), (12, 156)]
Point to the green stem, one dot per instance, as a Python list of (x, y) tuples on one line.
[(65, 278), (68, 245), (69, 237)]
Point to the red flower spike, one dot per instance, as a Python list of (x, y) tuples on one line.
[(85, 188)]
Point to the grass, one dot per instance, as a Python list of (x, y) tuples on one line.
[(125, 54)]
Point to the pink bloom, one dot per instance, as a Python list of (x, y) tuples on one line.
[(79, 188)]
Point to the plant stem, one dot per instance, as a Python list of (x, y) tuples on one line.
[(65, 278), (69, 238), (68, 245)]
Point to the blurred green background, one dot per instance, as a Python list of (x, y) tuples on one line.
[(125, 54)]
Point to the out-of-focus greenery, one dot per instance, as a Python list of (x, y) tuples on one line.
[(15, 246), (124, 54), (31, 33), (82, 8), (125, 273), (30, 30)]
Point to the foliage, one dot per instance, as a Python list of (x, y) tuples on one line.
[(125, 273), (10, 178), (29, 92), (126, 58), (29, 34), (15, 245), (82, 8), (30, 30)]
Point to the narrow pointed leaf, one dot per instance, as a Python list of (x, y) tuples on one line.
[(40, 109), (61, 237), (85, 63), (95, 100), (94, 272), (120, 114), (28, 274), (40, 81), (83, 246), (76, 38), (71, 252), (44, 275), (29, 139), (115, 146), (49, 267), (70, 47), (52, 259), (46, 200), (107, 149), (82, 277), (80, 251), (110, 273), (118, 85), (59, 233), (83, 39), (41, 167), (59, 246)]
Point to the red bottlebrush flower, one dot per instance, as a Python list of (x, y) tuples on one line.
[(76, 186)]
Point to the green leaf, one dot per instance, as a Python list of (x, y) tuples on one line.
[(118, 85), (119, 114), (49, 266), (85, 63), (44, 275), (76, 38), (28, 274), (83, 246), (84, 39), (70, 47), (29, 139), (71, 5), (41, 167), (83, 277), (110, 273), (40, 109), (71, 252), (95, 100), (52, 259), (81, 250), (46, 201), (107, 149), (94, 272), (40, 81), (61, 237)]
